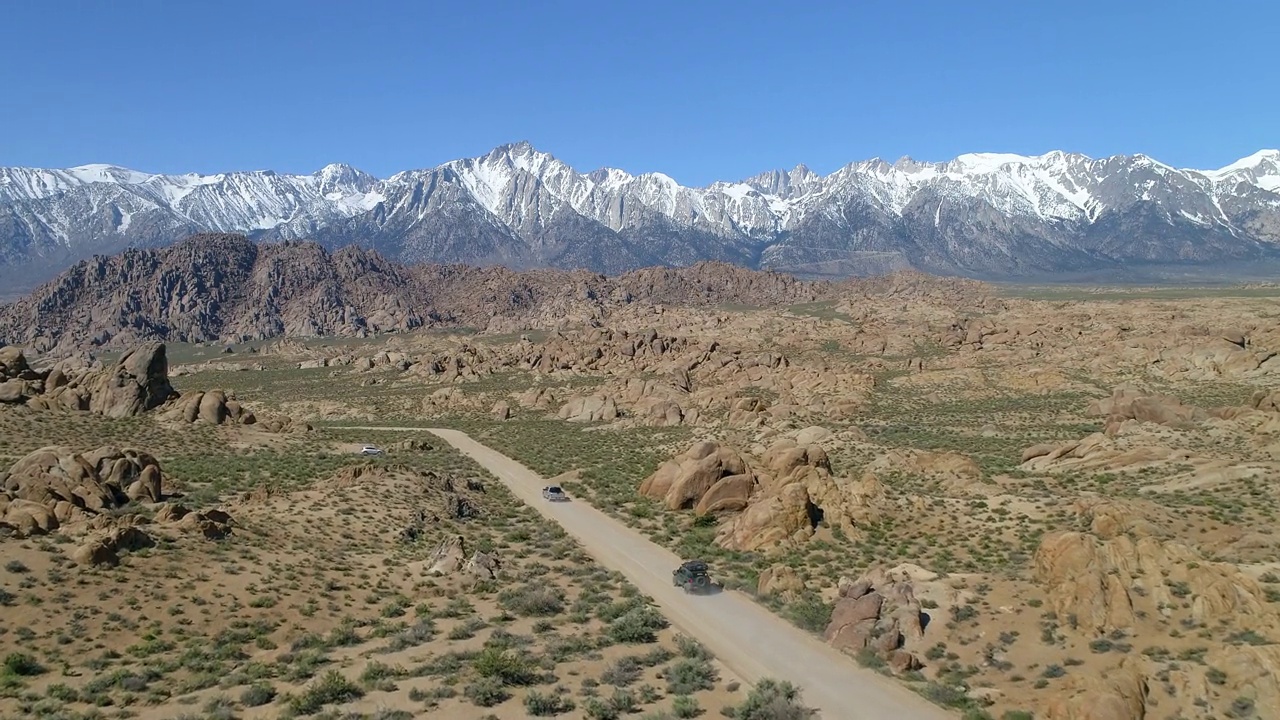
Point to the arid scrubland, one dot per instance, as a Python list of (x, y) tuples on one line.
[(1042, 504)]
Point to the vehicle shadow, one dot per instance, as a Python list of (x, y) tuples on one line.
[(714, 588)]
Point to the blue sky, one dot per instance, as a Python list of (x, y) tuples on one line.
[(700, 90)]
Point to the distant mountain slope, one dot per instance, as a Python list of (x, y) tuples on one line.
[(981, 214), (227, 288)]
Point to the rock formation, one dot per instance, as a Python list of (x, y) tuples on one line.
[(782, 581), (1128, 402), (780, 499), (796, 492), (56, 489), (136, 383), (1103, 585), (215, 407), (448, 556), (879, 613), (709, 477), (72, 484)]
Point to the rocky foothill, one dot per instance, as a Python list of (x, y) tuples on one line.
[(226, 288)]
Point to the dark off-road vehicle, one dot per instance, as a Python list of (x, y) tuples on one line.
[(692, 576)]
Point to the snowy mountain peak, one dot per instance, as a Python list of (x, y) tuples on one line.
[(1261, 169), (785, 184), (515, 203), (988, 162), (340, 177), (1258, 159), (108, 174)]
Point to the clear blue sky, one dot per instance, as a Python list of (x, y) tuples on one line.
[(701, 90)]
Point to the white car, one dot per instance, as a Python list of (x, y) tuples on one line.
[(370, 450), (554, 493)]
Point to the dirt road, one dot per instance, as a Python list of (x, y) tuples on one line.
[(746, 637)]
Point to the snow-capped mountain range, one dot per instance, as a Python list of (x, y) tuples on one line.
[(981, 214)]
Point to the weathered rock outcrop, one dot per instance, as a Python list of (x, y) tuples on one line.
[(1128, 402), (93, 482), (1101, 585), (501, 410), (797, 491), (210, 524), (956, 473), (780, 499), (593, 408), (55, 489), (780, 580), (448, 556), (1100, 452), (1119, 694), (708, 477), (16, 376), (215, 407), (878, 612), (138, 382), (104, 548), (482, 566)]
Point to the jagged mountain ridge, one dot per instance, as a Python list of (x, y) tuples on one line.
[(221, 287), (981, 214)]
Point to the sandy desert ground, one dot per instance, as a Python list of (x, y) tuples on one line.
[(1048, 503)]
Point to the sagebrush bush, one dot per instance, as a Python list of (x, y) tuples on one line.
[(542, 705), (330, 688), (772, 700), (486, 692), (639, 625), (687, 676), (257, 694), (505, 666), (532, 600)]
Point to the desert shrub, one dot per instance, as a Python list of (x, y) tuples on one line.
[(19, 663), (412, 636), (809, 613), (505, 666), (685, 707), (623, 701), (597, 709), (532, 600), (772, 700), (639, 625), (331, 687), (486, 692), (945, 695), (542, 705), (378, 676), (62, 692), (219, 708), (688, 676), (622, 672), (691, 648), (344, 635), (257, 694)]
